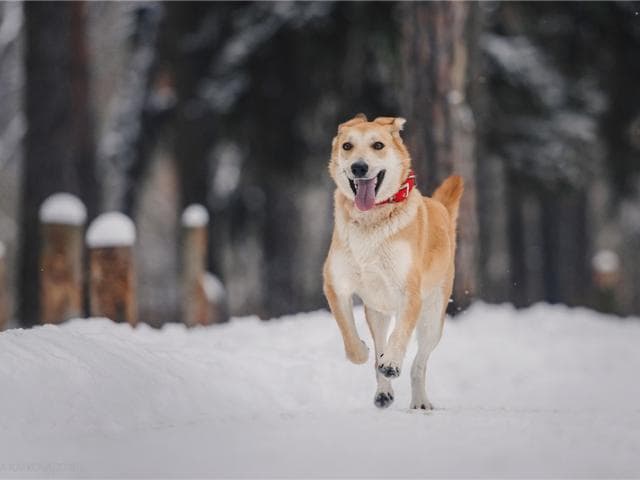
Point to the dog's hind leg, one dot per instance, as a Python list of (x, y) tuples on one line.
[(428, 333), (379, 326)]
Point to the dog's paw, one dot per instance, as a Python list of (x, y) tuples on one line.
[(387, 367), (358, 353), (421, 405), (383, 399), (390, 363)]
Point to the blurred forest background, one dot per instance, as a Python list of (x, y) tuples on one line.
[(148, 107)]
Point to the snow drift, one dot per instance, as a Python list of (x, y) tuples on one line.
[(548, 391)]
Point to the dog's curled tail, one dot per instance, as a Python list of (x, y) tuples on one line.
[(449, 194)]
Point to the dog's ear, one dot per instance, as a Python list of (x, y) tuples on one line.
[(396, 123), (359, 118)]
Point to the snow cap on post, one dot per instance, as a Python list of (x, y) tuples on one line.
[(113, 229), (213, 288), (606, 261), (64, 209), (194, 216)]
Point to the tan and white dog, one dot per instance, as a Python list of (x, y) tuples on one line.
[(392, 247)]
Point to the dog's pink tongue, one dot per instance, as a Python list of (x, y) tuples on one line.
[(366, 194)]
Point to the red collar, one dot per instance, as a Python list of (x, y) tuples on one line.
[(405, 190)]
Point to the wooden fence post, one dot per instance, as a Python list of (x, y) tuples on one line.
[(605, 266), (195, 305), (4, 298), (216, 297), (62, 218), (112, 290)]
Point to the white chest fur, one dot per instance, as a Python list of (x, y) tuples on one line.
[(371, 264)]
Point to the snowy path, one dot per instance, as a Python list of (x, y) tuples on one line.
[(545, 392)]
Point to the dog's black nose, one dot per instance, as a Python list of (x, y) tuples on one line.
[(359, 169)]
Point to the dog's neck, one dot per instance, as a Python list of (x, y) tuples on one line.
[(380, 214), (403, 192)]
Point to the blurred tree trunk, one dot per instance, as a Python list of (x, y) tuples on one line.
[(550, 233), (143, 101), (441, 130), (566, 242), (620, 127), (82, 126), (4, 297), (192, 36), (59, 152), (491, 193), (516, 239), (279, 168)]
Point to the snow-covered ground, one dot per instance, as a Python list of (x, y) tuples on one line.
[(543, 392)]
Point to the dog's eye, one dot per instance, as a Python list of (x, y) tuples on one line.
[(378, 146), (347, 146)]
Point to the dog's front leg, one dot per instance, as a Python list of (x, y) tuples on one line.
[(390, 361), (342, 309), (379, 325)]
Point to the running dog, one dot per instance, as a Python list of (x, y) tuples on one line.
[(392, 247)]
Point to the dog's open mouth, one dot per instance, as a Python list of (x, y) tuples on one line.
[(365, 190)]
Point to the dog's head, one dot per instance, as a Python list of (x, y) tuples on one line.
[(369, 161)]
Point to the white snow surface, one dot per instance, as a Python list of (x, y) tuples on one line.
[(543, 392), (195, 215), (63, 208), (112, 229)]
